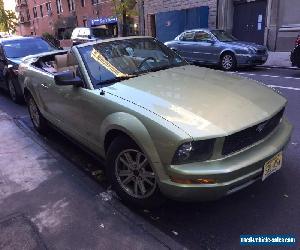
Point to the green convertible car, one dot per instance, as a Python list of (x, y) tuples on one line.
[(164, 127)]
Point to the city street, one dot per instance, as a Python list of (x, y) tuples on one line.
[(271, 207)]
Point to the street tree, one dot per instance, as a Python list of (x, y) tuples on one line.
[(8, 19), (124, 9)]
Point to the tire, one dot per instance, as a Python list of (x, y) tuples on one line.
[(295, 57), (14, 91), (38, 121), (135, 186), (228, 62)]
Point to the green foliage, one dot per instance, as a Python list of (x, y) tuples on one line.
[(8, 19), (127, 6)]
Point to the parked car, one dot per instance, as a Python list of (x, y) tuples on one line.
[(216, 47), (295, 54), (12, 51), (164, 127), (84, 34)]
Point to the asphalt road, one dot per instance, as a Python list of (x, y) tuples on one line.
[(271, 207)]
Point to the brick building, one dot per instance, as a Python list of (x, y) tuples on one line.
[(59, 17)]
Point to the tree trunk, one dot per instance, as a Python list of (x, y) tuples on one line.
[(124, 26)]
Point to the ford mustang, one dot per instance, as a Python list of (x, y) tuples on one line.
[(164, 127)]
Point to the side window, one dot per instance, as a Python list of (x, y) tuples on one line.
[(202, 36), (188, 37)]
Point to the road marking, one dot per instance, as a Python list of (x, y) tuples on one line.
[(282, 87), (272, 76)]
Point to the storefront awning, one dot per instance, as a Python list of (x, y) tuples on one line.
[(103, 21)]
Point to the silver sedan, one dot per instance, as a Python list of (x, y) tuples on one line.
[(216, 47)]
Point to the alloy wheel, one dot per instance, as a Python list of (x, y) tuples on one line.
[(34, 113), (134, 174), (227, 62)]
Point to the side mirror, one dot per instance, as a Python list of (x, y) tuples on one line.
[(67, 78), (89, 37), (211, 41)]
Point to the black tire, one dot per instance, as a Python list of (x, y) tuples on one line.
[(118, 148), (14, 90), (38, 121), (295, 57), (228, 62)]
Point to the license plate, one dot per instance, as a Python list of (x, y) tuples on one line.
[(272, 165)]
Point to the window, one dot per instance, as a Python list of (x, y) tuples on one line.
[(71, 5), (34, 12), (82, 3), (28, 14), (95, 2), (48, 7), (59, 6), (84, 23), (202, 36), (41, 10), (187, 36)]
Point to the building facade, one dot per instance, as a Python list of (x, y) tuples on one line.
[(59, 17), (165, 19), (275, 23)]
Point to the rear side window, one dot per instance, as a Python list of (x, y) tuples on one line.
[(188, 36)]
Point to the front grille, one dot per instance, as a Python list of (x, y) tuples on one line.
[(261, 52), (249, 136)]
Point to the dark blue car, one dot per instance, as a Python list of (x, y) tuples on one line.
[(12, 51), (216, 47)]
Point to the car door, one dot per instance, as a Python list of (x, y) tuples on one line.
[(185, 45), (3, 67), (206, 48)]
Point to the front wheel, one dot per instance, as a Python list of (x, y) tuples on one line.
[(131, 174), (13, 91), (228, 62), (38, 121)]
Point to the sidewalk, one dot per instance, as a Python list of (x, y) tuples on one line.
[(279, 59), (47, 203)]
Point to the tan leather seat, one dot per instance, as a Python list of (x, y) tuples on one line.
[(66, 62)]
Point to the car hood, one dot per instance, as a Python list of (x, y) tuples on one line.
[(205, 103), (246, 44)]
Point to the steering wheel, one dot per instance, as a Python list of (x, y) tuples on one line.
[(145, 60)]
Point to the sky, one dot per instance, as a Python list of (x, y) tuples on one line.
[(9, 4)]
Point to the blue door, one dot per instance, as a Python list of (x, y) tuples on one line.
[(171, 24)]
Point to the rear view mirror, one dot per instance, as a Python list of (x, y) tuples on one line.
[(67, 78)]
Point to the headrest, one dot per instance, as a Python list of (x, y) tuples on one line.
[(61, 61), (71, 59)]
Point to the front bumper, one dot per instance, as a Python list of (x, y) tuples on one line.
[(231, 173), (251, 60)]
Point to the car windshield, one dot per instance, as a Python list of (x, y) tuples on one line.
[(113, 61), (101, 33), (223, 36), (25, 47)]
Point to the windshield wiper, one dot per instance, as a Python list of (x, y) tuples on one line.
[(114, 80)]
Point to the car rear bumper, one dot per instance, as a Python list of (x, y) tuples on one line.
[(230, 174), (251, 60)]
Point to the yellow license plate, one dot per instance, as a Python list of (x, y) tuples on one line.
[(272, 165)]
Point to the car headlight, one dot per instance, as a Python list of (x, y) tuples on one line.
[(194, 151)]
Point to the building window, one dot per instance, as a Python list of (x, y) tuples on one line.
[(71, 5), (41, 10), (59, 6), (34, 12), (28, 14), (95, 2), (82, 3), (48, 7), (84, 23)]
